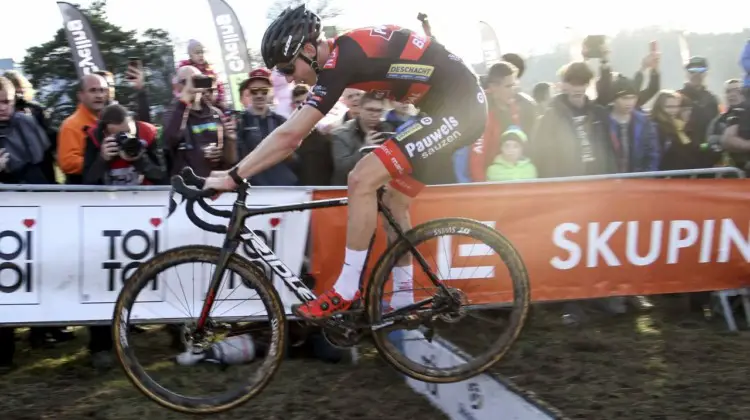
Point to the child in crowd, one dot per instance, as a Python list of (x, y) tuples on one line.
[(511, 164)]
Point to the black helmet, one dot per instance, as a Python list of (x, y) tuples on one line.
[(288, 33)]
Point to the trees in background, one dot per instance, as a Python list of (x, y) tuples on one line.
[(51, 68)]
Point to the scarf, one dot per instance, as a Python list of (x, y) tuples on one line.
[(673, 126)]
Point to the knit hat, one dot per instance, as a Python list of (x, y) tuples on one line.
[(193, 44)]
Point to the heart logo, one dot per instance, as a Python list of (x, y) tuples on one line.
[(155, 222), (274, 221), (29, 223)]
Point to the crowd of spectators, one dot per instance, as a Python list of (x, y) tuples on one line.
[(560, 130)]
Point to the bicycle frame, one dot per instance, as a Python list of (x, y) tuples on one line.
[(237, 234)]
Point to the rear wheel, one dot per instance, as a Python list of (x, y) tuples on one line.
[(503, 300), (199, 378)]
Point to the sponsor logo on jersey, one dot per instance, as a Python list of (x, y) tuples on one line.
[(404, 71), (407, 129), (319, 90), (444, 135), (454, 57), (332, 59), (480, 97), (383, 31)]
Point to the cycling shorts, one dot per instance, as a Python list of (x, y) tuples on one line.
[(423, 147)]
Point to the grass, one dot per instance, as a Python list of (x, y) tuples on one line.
[(59, 384)]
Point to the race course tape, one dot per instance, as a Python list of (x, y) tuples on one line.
[(483, 397)]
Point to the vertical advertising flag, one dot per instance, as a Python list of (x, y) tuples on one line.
[(233, 48), (490, 45), (83, 45)]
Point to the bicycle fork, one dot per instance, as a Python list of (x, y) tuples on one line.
[(230, 245)]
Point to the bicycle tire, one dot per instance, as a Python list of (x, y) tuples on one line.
[(169, 399), (521, 299)]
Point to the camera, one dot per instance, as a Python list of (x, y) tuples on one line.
[(202, 82), (594, 46), (422, 17), (130, 145)]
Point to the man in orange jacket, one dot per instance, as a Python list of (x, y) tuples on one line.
[(71, 138)]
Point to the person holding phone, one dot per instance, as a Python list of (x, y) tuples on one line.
[(135, 77), (595, 47), (196, 133), (366, 129)]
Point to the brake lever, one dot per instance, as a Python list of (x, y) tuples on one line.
[(191, 178)]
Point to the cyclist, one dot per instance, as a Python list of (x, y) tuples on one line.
[(400, 65)]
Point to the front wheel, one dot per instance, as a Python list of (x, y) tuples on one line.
[(232, 328), (486, 280)]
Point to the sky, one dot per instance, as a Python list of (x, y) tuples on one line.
[(456, 27)]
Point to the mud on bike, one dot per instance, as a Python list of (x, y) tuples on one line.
[(365, 319)]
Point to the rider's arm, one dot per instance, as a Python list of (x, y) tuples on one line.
[(332, 81), (280, 143)]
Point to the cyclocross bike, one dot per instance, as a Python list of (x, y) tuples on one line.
[(448, 304)]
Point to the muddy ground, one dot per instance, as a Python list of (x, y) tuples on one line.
[(647, 364), (60, 384)]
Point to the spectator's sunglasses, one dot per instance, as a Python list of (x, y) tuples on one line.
[(259, 91)]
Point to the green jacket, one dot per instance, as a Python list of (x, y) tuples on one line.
[(502, 170)]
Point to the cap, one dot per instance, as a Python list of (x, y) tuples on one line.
[(623, 86), (261, 74), (514, 132), (697, 64)]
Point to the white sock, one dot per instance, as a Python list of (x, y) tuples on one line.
[(347, 284), (403, 286)]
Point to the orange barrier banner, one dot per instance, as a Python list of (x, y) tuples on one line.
[(588, 239)]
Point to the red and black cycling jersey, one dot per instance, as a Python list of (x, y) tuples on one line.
[(394, 62)]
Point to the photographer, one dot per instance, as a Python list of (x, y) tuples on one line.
[(195, 132), (121, 151)]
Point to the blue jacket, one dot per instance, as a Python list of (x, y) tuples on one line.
[(745, 63), (645, 153)]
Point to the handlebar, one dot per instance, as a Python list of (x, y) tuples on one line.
[(190, 186), (183, 182)]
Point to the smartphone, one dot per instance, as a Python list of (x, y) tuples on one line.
[(653, 46), (134, 62), (202, 82), (422, 17), (593, 46), (383, 136)]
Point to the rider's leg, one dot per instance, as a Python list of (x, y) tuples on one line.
[(403, 274), (364, 180)]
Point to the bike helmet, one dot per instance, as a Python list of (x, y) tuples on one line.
[(287, 34)]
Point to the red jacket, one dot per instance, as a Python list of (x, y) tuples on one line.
[(485, 149)]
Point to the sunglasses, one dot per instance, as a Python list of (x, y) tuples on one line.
[(287, 69), (259, 91)]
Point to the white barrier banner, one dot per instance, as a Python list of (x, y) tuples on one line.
[(65, 255), (479, 398)]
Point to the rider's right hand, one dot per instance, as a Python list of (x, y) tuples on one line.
[(219, 181)]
